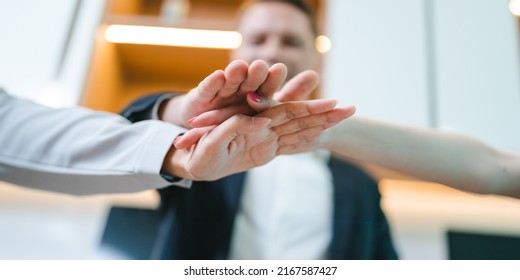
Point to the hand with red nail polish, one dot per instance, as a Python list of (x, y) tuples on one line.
[(294, 125), (297, 88), (225, 91), (242, 142)]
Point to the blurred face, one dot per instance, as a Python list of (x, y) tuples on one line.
[(277, 32)]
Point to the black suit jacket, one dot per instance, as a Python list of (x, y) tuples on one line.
[(197, 223)]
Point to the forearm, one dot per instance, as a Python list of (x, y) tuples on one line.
[(78, 151), (445, 158)]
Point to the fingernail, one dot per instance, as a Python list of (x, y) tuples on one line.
[(255, 97), (191, 120), (176, 139)]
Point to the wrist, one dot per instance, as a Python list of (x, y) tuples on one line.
[(174, 164), (170, 110)]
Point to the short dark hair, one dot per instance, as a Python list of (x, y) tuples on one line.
[(299, 4)]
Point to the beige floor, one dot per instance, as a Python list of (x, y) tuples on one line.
[(42, 225)]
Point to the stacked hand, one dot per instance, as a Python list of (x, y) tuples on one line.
[(225, 90), (228, 134)]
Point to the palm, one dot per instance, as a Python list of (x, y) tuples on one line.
[(220, 153), (242, 142)]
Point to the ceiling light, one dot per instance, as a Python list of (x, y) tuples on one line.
[(323, 44), (514, 7), (167, 36)]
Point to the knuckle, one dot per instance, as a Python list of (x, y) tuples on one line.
[(292, 112)]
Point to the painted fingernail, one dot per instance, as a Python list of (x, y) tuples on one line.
[(191, 120), (176, 139), (255, 97)]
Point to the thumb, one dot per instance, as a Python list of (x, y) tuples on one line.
[(260, 104), (298, 88)]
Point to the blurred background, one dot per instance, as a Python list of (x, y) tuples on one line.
[(447, 64)]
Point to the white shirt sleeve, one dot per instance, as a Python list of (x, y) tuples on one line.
[(80, 151)]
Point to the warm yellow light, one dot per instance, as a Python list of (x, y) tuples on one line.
[(152, 35), (323, 44), (514, 7)]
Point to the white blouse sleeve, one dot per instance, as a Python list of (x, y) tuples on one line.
[(80, 151)]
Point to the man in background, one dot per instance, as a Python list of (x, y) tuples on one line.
[(305, 206)]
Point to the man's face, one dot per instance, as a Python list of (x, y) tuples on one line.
[(277, 32)]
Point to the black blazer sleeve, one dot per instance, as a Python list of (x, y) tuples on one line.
[(142, 108)]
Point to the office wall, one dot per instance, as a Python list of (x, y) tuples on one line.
[(378, 59), (446, 64), (42, 58), (477, 70)]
